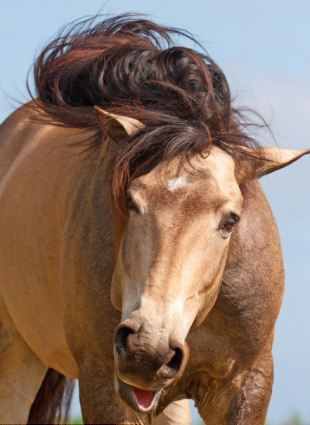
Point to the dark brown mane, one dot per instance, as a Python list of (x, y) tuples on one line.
[(131, 66)]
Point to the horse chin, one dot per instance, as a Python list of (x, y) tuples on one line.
[(139, 399)]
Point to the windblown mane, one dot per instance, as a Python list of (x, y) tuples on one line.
[(131, 66)]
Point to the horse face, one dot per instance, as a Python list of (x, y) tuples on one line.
[(169, 268)]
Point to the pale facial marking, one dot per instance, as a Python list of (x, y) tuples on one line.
[(177, 183)]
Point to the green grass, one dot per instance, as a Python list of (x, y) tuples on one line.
[(76, 421)]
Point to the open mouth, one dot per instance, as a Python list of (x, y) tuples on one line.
[(139, 399)]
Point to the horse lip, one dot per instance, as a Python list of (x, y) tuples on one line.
[(127, 393)]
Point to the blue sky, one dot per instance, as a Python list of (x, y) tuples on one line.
[(264, 49)]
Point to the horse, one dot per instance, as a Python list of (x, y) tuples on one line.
[(138, 253)]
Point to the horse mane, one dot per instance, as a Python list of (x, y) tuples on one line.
[(53, 400), (133, 67)]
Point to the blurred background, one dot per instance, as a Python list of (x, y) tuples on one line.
[(264, 49)]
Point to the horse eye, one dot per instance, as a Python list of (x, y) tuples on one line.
[(132, 206), (228, 223)]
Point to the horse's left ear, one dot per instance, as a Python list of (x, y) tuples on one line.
[(258, 162), (117, 123)]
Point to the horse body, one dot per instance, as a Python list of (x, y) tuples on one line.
[(173, 299), (50, 222)]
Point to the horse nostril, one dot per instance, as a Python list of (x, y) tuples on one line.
[(175, 362), (121, 337), (172, 365)]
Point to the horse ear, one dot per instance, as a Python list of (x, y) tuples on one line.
[(115, 124), (258, 162)]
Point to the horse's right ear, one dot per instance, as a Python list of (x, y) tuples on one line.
[(262, 161), (117, 126)]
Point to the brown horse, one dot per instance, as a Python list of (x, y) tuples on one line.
[(138, 253)]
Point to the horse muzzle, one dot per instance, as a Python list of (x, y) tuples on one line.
[(145, 365)]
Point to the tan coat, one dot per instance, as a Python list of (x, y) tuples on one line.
[(60, 248)]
